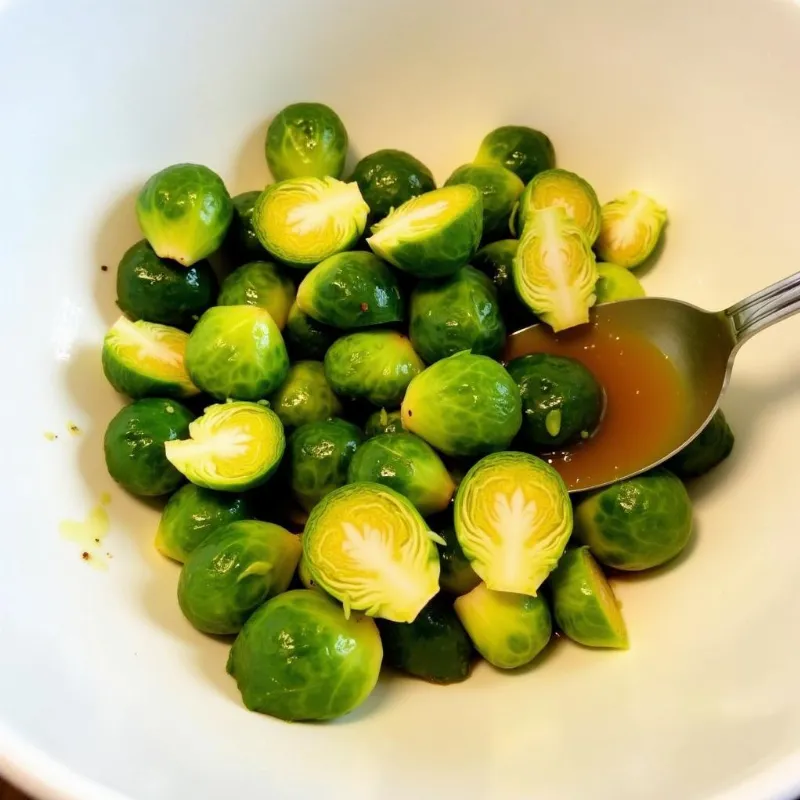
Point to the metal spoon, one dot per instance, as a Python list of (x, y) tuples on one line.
[(701, 344)]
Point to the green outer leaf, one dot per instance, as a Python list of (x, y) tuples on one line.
[(305, 396), (525, 151), (711, 447), (259, 283), (241, 241), (306, 338)]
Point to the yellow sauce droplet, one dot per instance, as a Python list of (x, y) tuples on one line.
[(90, 533), (73, 428), (50, 436)]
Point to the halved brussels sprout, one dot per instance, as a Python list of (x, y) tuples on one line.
[(500, 188), (134, 445), (408, 465), (156, 290), (383, 421), (525, 151), (513, 518), (464, 405), (191, 514), (304, 574), (636, 524), (144, 359), (374, 365), (241, 241), (306, 140), (302, 221), (557, 187), (562, 402), (368, 547), (630, 229), (616, 283), (458, 313), (237, 352), (298, 658), (434, 647), (305, 396), (554, 270), (711, 447), (305, 337), (584, 604), (351, 290), (184, 212), (319, 455), (387, 178), (262, 284), (456, 575), (432, 235), (231, 573), (508, 630), (232, 447)]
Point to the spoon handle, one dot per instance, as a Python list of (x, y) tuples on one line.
[(765, 308)]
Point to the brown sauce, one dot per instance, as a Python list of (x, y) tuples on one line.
[(647, 404)]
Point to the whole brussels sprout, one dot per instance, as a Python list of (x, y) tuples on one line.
[(234, 571), (305, 396), (616, 283), (237, 352), (262, 284), (191, 514), (464, 405), (134, 445), (456, 576), (305, 337), (458, 313), (306, 140), (155, 290), (184, 212), (495, 260), (319, 456), (500, 188), (241, 241), (383, 421), (524, 151), (299, 658), (630, 229), (387, 178), (374, 365), (636, 524), (711, 447)]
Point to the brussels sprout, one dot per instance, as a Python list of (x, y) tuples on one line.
[(262, 284), (525, 151), (562, 402), (156, 290), (630, 229), (184, 212), (351, 290), (304, 575), (464, 405), (495, 261), (500, 188), (456, 575), (230, 574), (305, 337), (143, 359), (584, 604), (306, 140), (134, 445), (305, 396), (408, 465), (387, 178), (374, 365), (383, 421), (432, 235), (298, 658), (434, 647), (302, 221), (241, 240), (554, 270), (191, 514), (319, 455), (513, 518), (711, 447), (233, 447), (237, 352), (616, 283), (458, 313), (557, 187), (368, 547), (638, 523), (508, 630)]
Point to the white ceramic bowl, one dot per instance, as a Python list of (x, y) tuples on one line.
[(105, 691)]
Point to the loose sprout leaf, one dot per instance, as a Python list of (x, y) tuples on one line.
[(552, 422), (513, 518), (554, 269), (368, 547), (630, 229)]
